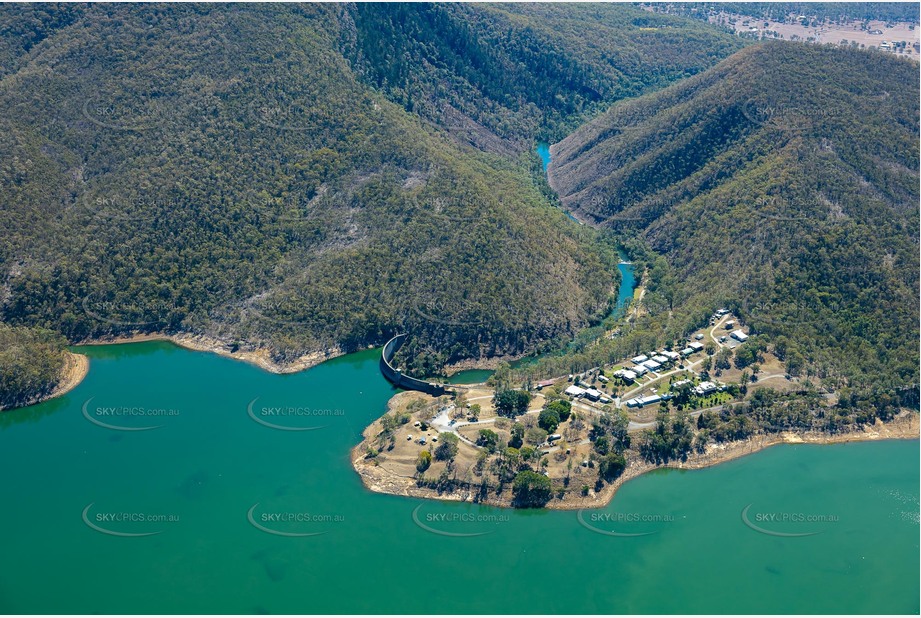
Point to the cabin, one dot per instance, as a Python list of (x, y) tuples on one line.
[(660, 359), (574, 391), (687, 352), (739, 336), (652, 365), (642, 358), (699, 336), (639, 370), (603, 379), (592, 394), (672, 356), (697, 347)]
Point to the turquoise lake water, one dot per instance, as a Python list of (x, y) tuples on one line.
[(210, 463), (543, 151)]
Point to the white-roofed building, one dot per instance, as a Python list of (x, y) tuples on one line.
[(652, 365), (593, 394), (705, 388), (640, 370), (697, 347), (645, 401), (639, 359), (574, 391), (738, 335)]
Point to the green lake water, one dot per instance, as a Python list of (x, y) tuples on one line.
[(209, 464)]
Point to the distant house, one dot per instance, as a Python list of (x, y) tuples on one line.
[(628, 375), (544, 384), (699, 336), (652, 365), (592, 394), (679, 384), (603, 379), (672, 356), (697, 347), (640, 359), (660, 359), (574, 391), (705, 388), (730, 325), (738, 335), (639, 370), (643, 401), (687, 351)]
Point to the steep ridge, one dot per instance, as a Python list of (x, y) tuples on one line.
[(219, 170), (784, 183)]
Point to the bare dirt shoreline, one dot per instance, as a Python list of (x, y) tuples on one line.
[(376, 478), (260, 357)]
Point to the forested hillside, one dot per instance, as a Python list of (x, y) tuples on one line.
[(31, 363), (783, 184), (221, 171), (501, 75)]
